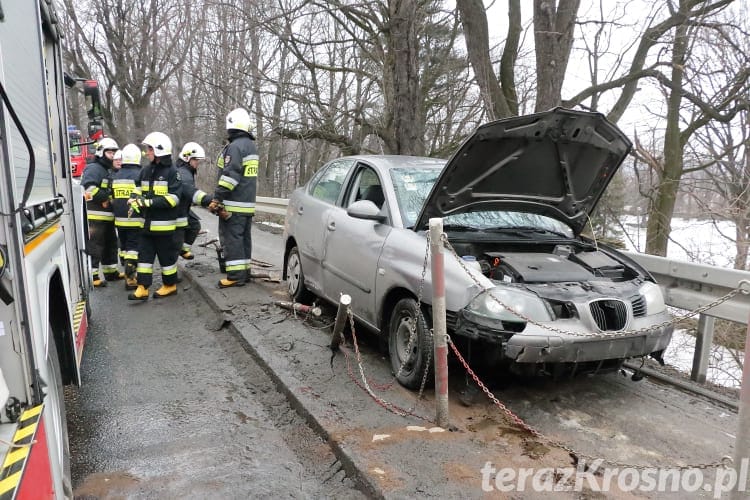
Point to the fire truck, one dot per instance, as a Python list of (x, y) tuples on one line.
[(44, 269), (80, 152)]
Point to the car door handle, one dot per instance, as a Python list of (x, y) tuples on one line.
[(331, 226)]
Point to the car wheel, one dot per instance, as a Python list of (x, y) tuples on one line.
[(295, 278), (414, 358)]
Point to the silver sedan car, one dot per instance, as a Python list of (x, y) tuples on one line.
[(522, 284)]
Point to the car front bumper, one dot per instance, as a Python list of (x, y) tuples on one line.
[(540, 345)]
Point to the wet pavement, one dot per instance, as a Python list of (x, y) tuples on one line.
[(385, 454), (170, 408)]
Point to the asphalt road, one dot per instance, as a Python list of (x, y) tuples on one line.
[(171, 408)]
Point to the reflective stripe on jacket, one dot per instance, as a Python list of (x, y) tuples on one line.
[(96, 183), (237, 183), (160, 183)]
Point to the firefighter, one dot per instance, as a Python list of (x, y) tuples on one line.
[(188, 224), (117, 160), (96, 181), (128, 228), (155, 198), (234, 197)]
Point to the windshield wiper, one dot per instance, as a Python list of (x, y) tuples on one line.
[(458, 227), (524, 230)]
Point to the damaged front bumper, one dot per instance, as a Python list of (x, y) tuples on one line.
[(536, 344)]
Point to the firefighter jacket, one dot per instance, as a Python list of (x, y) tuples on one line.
[(96, 180), (190, 194), (237, 183), (159, 187), (123, 186)]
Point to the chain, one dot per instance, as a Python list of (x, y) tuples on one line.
[(723, 463), (413, 332), (743, 287), (365, 385)]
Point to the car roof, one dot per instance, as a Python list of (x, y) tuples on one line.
[(384, 163)]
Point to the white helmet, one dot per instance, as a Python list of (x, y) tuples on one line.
[(118, 155), (131, 155), (192, 150), (160, 142), (105, 144), (239, 119)]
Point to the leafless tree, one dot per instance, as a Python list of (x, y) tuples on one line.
[(133, 47)]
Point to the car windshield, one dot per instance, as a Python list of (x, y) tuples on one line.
[(412, 185)]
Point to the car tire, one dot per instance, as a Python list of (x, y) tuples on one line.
[(295, 278), (403, 315)]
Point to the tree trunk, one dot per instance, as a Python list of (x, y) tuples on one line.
[(406, 112), (476, 34), (553, 38), (658, 229)]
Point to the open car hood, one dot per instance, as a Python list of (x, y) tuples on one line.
[(556, 163)]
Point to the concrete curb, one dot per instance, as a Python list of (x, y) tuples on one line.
[(362, 479)]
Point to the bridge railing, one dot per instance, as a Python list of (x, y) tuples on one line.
[(686, 286)]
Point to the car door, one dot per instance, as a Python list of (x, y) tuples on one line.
[(309, 216), (353, 246)]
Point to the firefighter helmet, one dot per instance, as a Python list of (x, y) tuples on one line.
[(106, 144), (239, 119), (192, 150), (131, 155), (160, 142), (118, 155)]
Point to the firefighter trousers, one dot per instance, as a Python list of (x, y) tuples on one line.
[(150, 247), (129, 239), (184, 237), (237, 243), (103, 248)]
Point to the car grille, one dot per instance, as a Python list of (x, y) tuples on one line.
[(639, 305), (609, 314), (451, 319)]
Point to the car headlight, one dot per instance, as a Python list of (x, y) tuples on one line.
[(651, 292), (485, 310)]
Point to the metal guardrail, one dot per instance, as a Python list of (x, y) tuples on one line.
[(275, 206), (688, 286), (685, 285)]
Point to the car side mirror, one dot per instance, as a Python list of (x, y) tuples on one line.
[(365, 209)]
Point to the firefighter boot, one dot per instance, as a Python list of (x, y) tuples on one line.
[(141, 293), (186, 254), (227, 283), (131, 283), (165, 291), (97, 281)]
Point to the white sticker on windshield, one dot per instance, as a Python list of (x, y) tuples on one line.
[(410, 186), (2, 328)]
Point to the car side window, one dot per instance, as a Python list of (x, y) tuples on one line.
[(327, 185), (368, 187)]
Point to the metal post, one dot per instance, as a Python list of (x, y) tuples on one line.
[(742, 443), (341, 315), (438, 322), (703, 343)]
